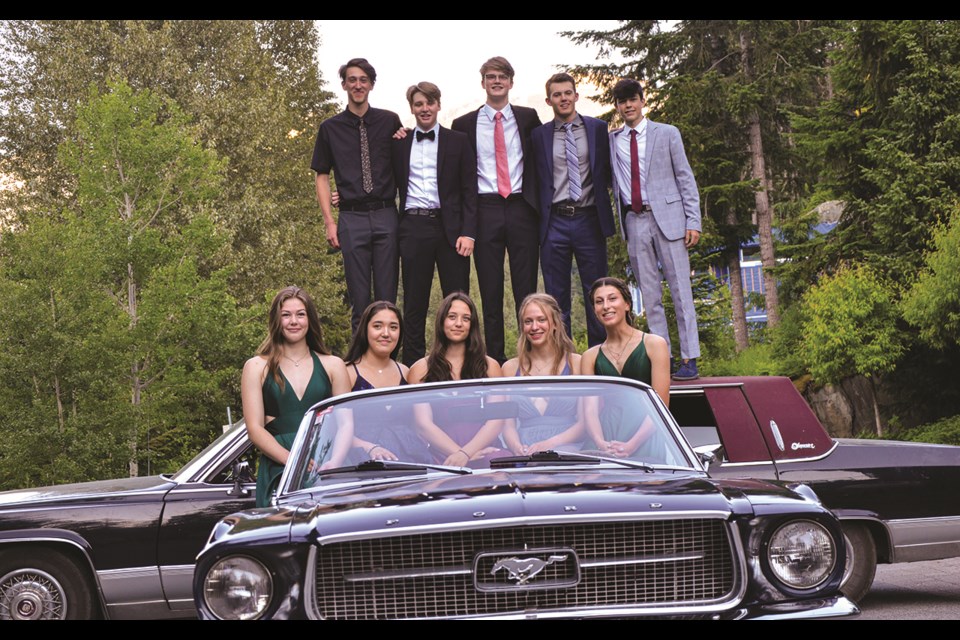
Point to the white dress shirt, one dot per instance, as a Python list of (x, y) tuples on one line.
[(487, 155), (621, 165), (422, 189)]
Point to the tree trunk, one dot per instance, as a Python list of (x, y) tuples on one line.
[(738, 303), (876, 406), (764, 213)]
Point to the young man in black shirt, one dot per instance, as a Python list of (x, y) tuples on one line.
[(355, 145)]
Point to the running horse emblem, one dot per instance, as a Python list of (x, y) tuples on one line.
[(523, 569)]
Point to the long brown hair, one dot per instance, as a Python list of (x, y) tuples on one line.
[(475, 357), (620, 286), (272, 345), (361, 341), (558, 339)]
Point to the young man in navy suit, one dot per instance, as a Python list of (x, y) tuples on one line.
[(436, 171), (572, 157), (499, 134), (659, 205)]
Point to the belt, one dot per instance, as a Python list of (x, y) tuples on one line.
[(368, 205), (570, 210), (430, 213), (644, 208), (496, 197)]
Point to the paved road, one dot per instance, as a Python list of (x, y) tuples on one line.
[(915, 591)]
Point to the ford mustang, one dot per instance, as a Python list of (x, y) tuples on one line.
[(373, 521)]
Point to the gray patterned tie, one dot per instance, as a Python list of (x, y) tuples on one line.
[(365, 158), (573, 163)]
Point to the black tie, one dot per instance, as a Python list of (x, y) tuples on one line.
[(429, 135)]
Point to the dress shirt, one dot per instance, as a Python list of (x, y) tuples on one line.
[(621, 165), (338, 149), (561, 182), (487, 155), (422, 189)]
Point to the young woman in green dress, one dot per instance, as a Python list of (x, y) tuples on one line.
[(627, 352), (291, 371)]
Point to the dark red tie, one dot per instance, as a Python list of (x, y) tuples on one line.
[(636, 200)]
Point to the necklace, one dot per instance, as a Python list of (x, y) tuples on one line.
[(296, 363), (618, 355)]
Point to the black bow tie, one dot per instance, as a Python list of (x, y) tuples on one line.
[(430, 135)]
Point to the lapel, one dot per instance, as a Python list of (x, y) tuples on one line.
[(591, 144), (545, 139), (442, 140), (652, 130)]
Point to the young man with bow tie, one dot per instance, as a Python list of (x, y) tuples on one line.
[(436, 170)]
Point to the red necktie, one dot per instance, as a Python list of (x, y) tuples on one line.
[(636, 200), (500, 149)]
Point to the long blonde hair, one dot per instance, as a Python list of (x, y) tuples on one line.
[(558, 339)]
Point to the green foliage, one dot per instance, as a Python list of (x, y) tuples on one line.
[(123, 298), (945, 431), (932, 303), (757, 360), (850, 326), (887, 143)]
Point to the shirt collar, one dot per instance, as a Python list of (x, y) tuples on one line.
[(577, 122), (640, 128), (491, 113)]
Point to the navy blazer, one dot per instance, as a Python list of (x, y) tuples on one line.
[(598, 144), (456, 181), (527, 121)]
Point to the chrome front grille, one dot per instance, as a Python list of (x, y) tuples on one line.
[(653, 565)]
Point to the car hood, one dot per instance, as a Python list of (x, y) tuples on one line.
[(509, 495), (80, 491)]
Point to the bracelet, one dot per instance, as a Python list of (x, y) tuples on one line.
[(370, 450), (464, 453)]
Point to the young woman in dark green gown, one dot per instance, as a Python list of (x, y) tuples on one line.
[(291, 372), (629, 353)]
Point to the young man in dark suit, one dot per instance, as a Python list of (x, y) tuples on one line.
[(507, 198), (355, 145), (572, 157), (435, 169)]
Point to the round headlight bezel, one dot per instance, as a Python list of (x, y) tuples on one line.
[(218, 602), (790, 543)]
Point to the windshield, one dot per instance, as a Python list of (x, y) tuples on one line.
[(470, 424)]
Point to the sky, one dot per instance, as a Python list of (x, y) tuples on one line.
[(449, 54)]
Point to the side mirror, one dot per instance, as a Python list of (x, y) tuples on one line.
[(709, 454), (241, 471)]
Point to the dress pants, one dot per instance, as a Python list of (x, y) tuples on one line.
[(504, 225), (424, 244), (368, 240), (570, 237), (646, 245)]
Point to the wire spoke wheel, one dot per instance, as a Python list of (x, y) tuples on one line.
[(31, 594)]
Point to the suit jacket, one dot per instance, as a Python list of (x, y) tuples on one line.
[(456, 181), (527, 121), (598, 145), (671, 188)]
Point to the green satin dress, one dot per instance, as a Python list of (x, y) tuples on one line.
[(620, 419), (287, 410)]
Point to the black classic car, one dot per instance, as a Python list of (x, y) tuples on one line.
[(897, 501), (369, 523), (118, 548)]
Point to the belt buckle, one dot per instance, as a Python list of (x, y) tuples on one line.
[(568, 210)]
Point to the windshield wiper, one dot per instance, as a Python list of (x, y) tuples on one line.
[(563, 457), (393, 465)]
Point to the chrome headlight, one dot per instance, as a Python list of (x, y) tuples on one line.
[(238, 588), (801, 554)]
